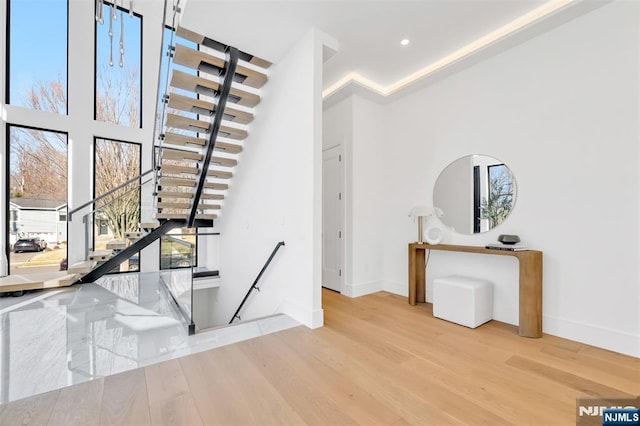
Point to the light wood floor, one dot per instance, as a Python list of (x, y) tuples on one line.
[(377, 361)]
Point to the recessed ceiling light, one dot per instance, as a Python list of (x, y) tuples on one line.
[(404, 41)]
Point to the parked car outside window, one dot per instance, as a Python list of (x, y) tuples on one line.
[(29, 244)]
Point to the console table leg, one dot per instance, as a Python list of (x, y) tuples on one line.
[(530, 323), (416, 275)]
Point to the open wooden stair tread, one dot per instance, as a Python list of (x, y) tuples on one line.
[(188, 195), (179, 154), (187, 206), (187, 123), (206, 41), (215, 160), (185, 216), (182, 140), (199, 106), (170, 181), (82, 267), (199, 60), (192, 83), (220, 174), (36, 281)]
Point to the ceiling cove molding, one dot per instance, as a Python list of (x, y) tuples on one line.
[(498, 40)]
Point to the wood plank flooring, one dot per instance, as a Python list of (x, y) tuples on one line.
[(377, 361)]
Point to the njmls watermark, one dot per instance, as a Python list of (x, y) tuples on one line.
[(592, 411)]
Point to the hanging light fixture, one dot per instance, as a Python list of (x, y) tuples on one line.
[(113, 16)]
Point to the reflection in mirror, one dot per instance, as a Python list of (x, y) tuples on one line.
[(476, 193)]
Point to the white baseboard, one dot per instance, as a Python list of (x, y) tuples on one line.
[(602, 337), (312, 319), (401, 289), (357, 290)]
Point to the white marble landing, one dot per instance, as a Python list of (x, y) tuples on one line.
[(55, 338)]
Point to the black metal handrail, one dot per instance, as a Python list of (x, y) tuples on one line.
[(254, 286), (111, 191), (227, 76)]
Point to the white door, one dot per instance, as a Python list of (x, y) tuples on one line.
[(332, 218)]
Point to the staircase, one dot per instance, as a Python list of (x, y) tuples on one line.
[(207, 108), (206, 115)]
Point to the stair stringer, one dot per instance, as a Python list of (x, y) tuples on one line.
[(125, 254)]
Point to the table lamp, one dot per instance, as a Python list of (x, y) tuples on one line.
[(419, 212)]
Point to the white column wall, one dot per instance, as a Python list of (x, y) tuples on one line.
[(275, 195)]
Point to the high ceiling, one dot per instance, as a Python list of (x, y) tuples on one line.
[(368, 32)]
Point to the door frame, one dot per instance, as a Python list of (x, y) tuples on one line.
[(341, 212)]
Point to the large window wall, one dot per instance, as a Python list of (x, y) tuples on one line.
[(63, 95)]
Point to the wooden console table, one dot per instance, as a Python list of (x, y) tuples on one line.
[(530, 299)]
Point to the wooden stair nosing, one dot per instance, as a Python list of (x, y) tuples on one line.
[(179, 154), (182, 140), (192, 83), (187, 123), (194, 171), (186, 206), (199, 106), (184, 216), (174, 168), (183, 195), (194, 59), (167, 181), (216, 161)]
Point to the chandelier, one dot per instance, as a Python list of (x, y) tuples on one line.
[(113, 16)]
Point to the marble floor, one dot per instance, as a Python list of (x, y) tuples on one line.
[(56, 338)]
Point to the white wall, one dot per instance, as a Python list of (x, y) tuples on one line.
[(561, 110), (275, 196)]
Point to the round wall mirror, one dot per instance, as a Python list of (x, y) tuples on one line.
[(476, 193)]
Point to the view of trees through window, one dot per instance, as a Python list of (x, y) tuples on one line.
[(499, 203), (115, 163), (37, 200)]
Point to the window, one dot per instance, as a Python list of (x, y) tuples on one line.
[(37, 54), (115, 163), (38, 189), (118, 63), (62, 216), (499, 202)]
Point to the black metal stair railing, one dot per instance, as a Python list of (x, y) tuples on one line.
[(254, 286)]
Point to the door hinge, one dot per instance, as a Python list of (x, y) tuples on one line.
[(340, 196), (339, 234), (339, 272), (339, 157)]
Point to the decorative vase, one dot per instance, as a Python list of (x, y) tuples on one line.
[(433, 231)]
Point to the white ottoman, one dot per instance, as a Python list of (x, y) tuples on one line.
[(463, 300)]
